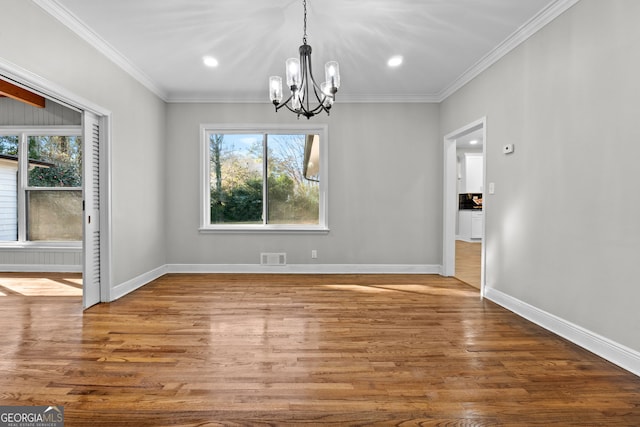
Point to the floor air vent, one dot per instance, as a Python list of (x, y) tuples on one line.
[(273, 258)]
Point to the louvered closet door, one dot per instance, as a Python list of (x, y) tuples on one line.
[(91, 186)]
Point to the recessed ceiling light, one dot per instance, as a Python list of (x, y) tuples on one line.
[(394, 61), (210, 61), (474, 142)]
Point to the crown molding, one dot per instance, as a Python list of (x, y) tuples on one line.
[(353, 99), (72, 22), (528, 29)]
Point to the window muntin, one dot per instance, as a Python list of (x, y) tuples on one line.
[(47, 189), (258, 178)]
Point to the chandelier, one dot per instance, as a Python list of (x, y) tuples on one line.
[(302, 83)]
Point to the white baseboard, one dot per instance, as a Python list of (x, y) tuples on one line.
[(307, 268), (136, 283), (468, 240), (40, 268), (612, 351)]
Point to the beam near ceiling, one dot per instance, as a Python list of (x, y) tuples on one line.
[(20, 94)]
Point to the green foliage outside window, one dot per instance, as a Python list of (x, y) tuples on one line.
[(62, 158), (236, 181)]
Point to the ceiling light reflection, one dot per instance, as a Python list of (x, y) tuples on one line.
[(210, 61), (395, 61)]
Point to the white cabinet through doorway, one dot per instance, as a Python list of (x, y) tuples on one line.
[(470, 225), (476, 224), (472, 173)]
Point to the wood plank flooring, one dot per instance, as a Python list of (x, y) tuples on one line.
[(38, 284), (210, 350), (468, 259)]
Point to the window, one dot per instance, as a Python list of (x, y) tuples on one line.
[(41, 186), (258, 178)]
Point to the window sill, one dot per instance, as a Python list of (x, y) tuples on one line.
[(263, 229), (42, 246)]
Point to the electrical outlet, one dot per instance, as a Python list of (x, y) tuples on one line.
[(314, 254)]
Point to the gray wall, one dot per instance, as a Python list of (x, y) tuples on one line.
[(58, 55), (385, 187), (562, 228)]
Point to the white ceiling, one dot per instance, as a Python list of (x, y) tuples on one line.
[(162, 42)]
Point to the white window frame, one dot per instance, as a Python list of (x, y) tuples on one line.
[(23, 134), (205, 193)]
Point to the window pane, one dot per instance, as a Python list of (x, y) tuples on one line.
[(55, 161), (8, 188), (293, 181), (54, 215), (236, 178)]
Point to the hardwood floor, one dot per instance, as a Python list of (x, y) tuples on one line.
[(39, 284), (468, 260), (209, 350)]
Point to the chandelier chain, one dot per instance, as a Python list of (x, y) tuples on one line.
[(304, 37)]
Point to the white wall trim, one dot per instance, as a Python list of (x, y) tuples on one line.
[(528, 29), (40, 268), (344, 99), (468, 240), (306, 268), (75, 24), (136, 283), (612, 351)]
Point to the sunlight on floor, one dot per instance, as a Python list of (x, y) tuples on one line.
[(418, 289), (357, 288), (60, 285)]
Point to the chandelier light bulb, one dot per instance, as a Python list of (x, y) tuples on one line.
[(296, 101), (328, 96), (332, 73), (293, 72), (275, 89)]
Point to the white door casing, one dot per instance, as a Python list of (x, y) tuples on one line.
[(450, 199)]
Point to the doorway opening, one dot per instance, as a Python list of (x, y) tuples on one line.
[(465, 204), (95, 204)]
